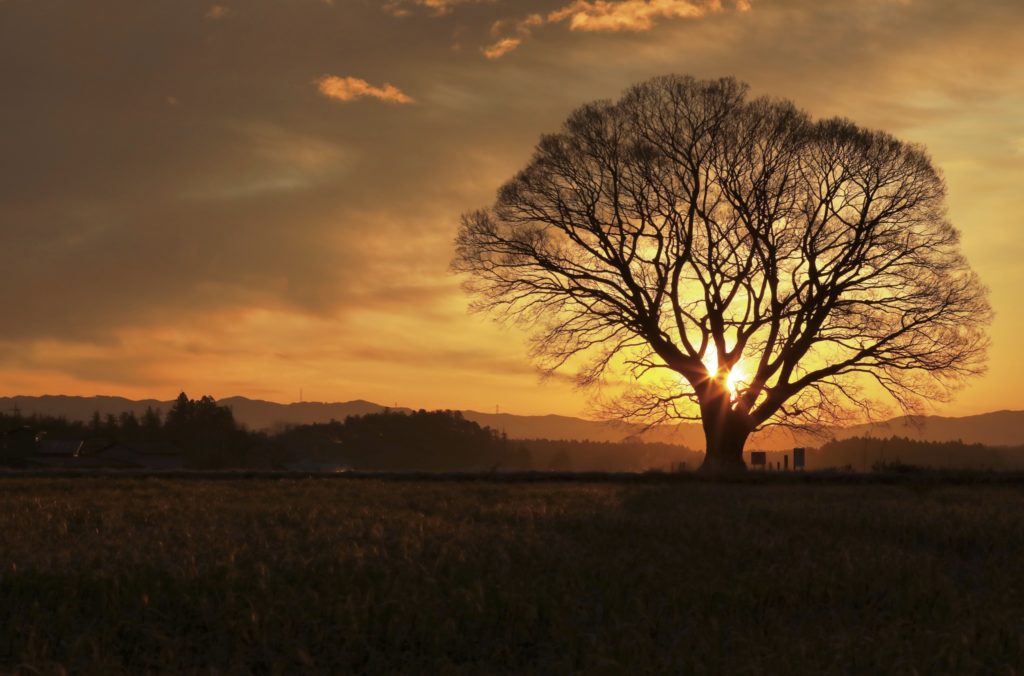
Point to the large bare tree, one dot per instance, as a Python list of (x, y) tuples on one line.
[(782, 270)]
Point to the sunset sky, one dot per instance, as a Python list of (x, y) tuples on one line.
[(256, 196)]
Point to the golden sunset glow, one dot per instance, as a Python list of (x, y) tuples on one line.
[(261, 198), (736, 378)]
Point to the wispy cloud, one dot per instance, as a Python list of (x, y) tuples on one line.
[(629, 15), (435, 7), (501, 48), (603, 16), (354, 88)]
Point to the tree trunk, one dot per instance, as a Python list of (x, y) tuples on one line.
[(725, 435)]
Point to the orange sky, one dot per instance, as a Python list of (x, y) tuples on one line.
[(257, 197)]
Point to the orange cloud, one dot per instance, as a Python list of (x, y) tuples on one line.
[(628, 15), (353, 88), (501, 48), (401, 8), (603, 16)]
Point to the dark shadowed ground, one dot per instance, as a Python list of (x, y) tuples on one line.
[(108, 575)]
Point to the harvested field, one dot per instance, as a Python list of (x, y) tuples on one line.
[(109, 575)]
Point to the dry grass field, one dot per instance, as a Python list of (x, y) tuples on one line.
[(135, 575)]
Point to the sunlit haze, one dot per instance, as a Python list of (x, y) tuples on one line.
[(257, 198), (737, 375)]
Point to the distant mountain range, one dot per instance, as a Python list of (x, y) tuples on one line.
[(1001, 428)]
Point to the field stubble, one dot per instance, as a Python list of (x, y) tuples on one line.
[(135, 575)]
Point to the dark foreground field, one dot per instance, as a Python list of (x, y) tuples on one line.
[(136, 575)]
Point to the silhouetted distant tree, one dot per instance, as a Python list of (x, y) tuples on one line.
[(130, 429), (206, 433), (423, 440), (151, 424), (605, 456), (180, 415), (865, 452), (60, 426), (110, 426), (96, 423), (688, 231)]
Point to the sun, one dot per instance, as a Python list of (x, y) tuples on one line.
[(737, 376)]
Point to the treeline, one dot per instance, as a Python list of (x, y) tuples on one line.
[(866, 453), (206, 436), (420, 441), (203, 433), (607, 456), (446, 441)]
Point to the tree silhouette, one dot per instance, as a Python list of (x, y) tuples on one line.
[(206, 433), (151, 424), (433, 441), (129, 427), (96, 423), (179, 418), (745, 264)]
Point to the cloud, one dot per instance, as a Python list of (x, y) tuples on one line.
[(501, 48), (353, 88), (403, 8), (602, 16), (628, 15)]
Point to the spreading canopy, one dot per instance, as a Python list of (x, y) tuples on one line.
[(688, 229)]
